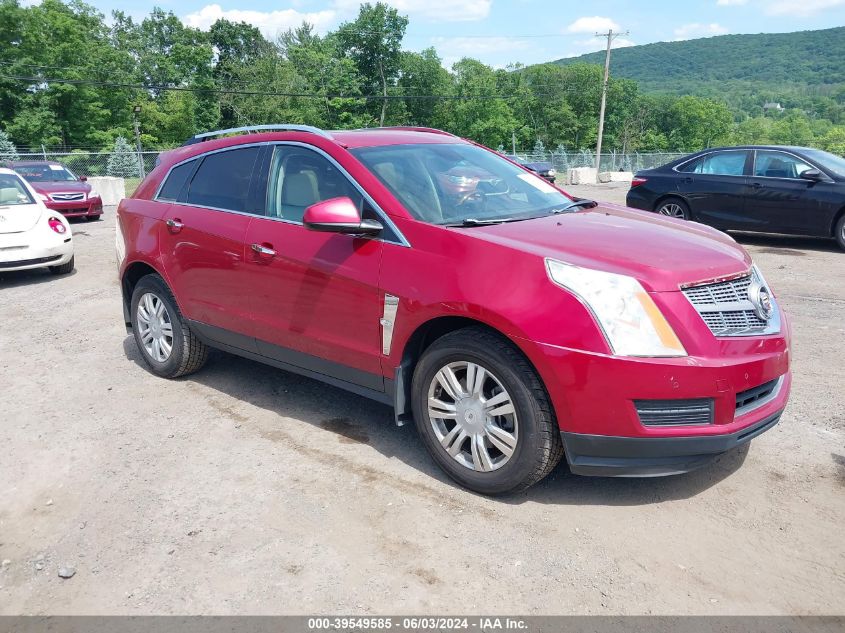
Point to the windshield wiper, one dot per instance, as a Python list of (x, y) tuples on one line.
[(477, 222), (574, 205)]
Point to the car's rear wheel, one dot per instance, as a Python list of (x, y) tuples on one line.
[(165, 341), (839, 232), (483, 414), (92, 218), (674, 208), (64, 269)]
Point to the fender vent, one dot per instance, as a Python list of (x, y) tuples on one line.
[(675, 412)]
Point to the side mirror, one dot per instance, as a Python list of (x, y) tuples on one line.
[(339, 215), (812, 174), (83, 178)]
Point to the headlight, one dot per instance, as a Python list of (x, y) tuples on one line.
[(632, 324), (93, 194), (551, 172), (461, 180)]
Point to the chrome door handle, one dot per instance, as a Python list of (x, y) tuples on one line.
[(174, 226), (263, 250)]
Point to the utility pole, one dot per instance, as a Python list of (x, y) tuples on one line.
[(513, 141), (610, 35), (135, 112)]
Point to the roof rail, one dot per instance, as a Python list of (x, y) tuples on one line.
[(411, 128), (251, 129)]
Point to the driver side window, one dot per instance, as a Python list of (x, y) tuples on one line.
[(299, 178)]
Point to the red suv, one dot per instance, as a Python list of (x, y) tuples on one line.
[(512, 323), (60, 189)]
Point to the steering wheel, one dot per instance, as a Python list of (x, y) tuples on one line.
[(474, 200)]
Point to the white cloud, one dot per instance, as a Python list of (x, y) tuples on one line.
[(801, 8), (271, 23), (594, 44), (691, 31), (731, 3), (594, 24), (435, 10)]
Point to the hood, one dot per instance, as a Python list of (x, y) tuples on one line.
[(68, 186), (539, 167), (19, 218), (661, 253)]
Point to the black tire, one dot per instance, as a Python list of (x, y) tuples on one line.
[(839, 232), (539, 447), (188, 354), (663, 208), (93, 218), (64, 269)]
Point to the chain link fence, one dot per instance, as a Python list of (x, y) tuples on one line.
[(85, 163)]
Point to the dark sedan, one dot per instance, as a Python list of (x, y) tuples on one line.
[(542, 168), (768, 189)]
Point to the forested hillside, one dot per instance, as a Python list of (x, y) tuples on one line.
[(70, 79), (799, 70)]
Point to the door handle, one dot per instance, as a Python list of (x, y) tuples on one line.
[(756, 185), (174, 226), (266, 251)]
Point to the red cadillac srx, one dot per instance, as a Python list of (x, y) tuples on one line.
[(512, 323)]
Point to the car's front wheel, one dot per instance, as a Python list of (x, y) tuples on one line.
[(165, 341), (839, 233), (674, 208), (64, 269), (483, 413)]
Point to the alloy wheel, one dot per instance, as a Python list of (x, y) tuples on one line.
[(155, 327), (473, 416), (673, 210)]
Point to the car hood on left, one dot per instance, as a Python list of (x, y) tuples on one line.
[(661, 253), (19, 218), (63, 186)]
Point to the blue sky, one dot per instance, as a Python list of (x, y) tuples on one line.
[(495, 30)]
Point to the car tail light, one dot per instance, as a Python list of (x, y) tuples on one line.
[(57, 225), (637, 181)]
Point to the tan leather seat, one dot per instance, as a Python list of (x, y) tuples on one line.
[(299, 191)]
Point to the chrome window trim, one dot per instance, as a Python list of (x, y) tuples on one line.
[(403, 241), (762, 402), (715, 151)]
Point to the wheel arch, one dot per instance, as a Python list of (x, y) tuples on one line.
[(131, 276), (836, 217), (421, 339)]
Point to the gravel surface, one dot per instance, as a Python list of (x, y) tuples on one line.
[(245, 489)]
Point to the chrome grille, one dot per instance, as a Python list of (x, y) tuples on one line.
[(67, 197), (727, 309)]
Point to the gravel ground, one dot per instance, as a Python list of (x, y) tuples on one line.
[(245, 489)]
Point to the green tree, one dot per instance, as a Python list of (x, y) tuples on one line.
[(123, 160), (374, 42), (695, 123), (8, 151), (474, 115), (423, 74)]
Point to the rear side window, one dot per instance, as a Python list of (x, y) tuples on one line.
[(223, 179), (176, 181), (718, 164)]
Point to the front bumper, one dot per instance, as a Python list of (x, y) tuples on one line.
[(608, 456), (92, 207)]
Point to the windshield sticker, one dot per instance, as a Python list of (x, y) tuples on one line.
[(537, 183), (57, 168)]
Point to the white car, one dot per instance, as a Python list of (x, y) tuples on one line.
[(31, 235)]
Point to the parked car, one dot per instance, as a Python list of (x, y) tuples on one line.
[(31, 235), (769, 189), (544, 168), (60, 189), (512, 327)]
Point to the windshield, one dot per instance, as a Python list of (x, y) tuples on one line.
[(460, 183), (45, 173), (831, 162), (13, 191)]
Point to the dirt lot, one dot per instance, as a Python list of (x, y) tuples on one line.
[(245, 489)]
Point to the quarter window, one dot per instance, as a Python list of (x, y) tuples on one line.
[(300, 177), (176, 181), (779, 165), (223, 179), (718, 164)]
